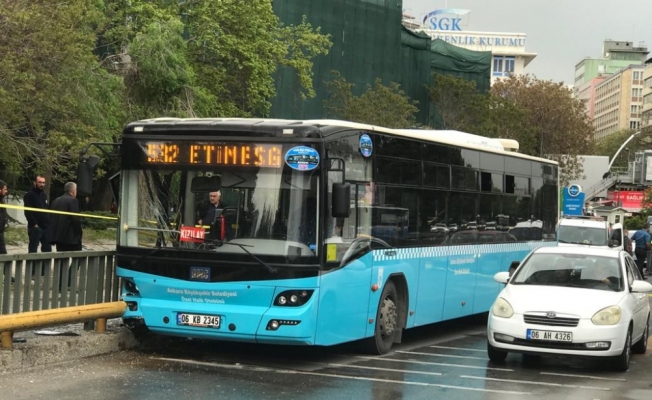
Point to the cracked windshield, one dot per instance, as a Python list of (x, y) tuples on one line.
[(264, 211)]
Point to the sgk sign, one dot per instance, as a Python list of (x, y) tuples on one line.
[(447, 19)]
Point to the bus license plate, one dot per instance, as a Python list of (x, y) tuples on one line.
[(552, 336), (205, 321)]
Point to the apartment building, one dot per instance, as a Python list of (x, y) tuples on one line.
[(616, 55), (619, 101), (646, 115)]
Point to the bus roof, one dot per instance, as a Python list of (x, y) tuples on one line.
[(331, 126)]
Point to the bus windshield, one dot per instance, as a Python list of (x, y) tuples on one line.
[(268, 211)]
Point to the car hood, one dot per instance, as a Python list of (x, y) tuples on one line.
[(583, 303)]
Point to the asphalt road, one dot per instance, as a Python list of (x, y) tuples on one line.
[(446, 361)]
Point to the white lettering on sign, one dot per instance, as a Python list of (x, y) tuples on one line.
[(192, 234), (467, 260), (202, 296)]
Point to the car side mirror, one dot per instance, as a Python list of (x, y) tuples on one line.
[(502, 277), (641, 287)]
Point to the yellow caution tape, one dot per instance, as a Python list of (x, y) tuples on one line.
[(45, 210)]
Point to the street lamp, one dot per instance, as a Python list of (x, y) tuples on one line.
[(606, 174)]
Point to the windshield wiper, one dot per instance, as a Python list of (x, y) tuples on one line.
[(244, 248), (156, 250)]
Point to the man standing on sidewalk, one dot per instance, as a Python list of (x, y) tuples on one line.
[(37, 222), (3, 217), (641, 241), (66, 230)]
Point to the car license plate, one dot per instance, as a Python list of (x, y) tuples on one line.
[(206, 321), (535, 334)]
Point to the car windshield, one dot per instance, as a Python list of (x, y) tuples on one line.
[(571, 270), (582, 235)]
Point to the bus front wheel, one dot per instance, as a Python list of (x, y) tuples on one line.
[(387, 324)]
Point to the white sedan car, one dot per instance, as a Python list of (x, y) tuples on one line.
[(574, 301)]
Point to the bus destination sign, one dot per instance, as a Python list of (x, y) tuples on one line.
[(222, 154)]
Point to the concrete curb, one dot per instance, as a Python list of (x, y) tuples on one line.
[(44, 350)]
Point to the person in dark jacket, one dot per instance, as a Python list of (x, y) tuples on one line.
[(3, 217), (65, 231), (37, 222)]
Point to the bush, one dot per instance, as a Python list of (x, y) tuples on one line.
[(635, 223), (100, 223)]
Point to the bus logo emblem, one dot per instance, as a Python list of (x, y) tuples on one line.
[(366, 146)]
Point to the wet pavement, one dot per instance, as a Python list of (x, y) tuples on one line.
[(446, 361)]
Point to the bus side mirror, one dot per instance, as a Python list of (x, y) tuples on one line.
[(85, 172), (341, 200)]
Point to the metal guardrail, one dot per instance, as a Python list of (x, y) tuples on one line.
[(38, 319), (42, 281)]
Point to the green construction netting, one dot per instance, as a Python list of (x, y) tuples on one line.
[(468, 64), (370, 42)]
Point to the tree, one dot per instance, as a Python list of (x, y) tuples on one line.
[(75, 72), (200, 58), (555, 121), (53, 96), (458, 103), (380, 105), (609, 145)]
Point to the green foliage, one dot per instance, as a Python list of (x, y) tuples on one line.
[(380, 105), (75, 72), (555, 121), (99, 224), (50, 85), (458, 103), (646, 204), (635, 222)]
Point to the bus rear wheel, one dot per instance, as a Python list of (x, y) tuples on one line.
[(387, 324)]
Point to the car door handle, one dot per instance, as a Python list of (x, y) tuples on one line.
[(390, 253)]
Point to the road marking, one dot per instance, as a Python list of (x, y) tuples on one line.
[(585, 376), (458, 348), (357, 378), (385, 369), (434, 363), (442, 355), (484, 378)]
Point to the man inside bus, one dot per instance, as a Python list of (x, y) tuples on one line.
[(211, 212)]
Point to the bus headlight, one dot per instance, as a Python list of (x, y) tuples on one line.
[(293, 298)]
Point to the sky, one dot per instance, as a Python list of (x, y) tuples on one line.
[(561, 32)]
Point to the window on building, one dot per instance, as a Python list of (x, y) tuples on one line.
[(498, 66), (509, 65)]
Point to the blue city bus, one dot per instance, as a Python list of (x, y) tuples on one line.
[(323, 234)]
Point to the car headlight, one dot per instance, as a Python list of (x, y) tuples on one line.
[(502, 308), (607, 316)]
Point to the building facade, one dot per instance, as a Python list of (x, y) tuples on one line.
[(619, 101), (586, 93), (616, 55), (509, 56), (646, 115)]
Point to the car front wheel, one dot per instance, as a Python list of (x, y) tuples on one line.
[(495, 354), (621, 363), (640, 347)]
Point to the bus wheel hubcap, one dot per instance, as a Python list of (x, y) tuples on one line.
[(388, 318)]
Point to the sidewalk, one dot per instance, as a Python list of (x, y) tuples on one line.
[(103, 245), (31, 349)]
